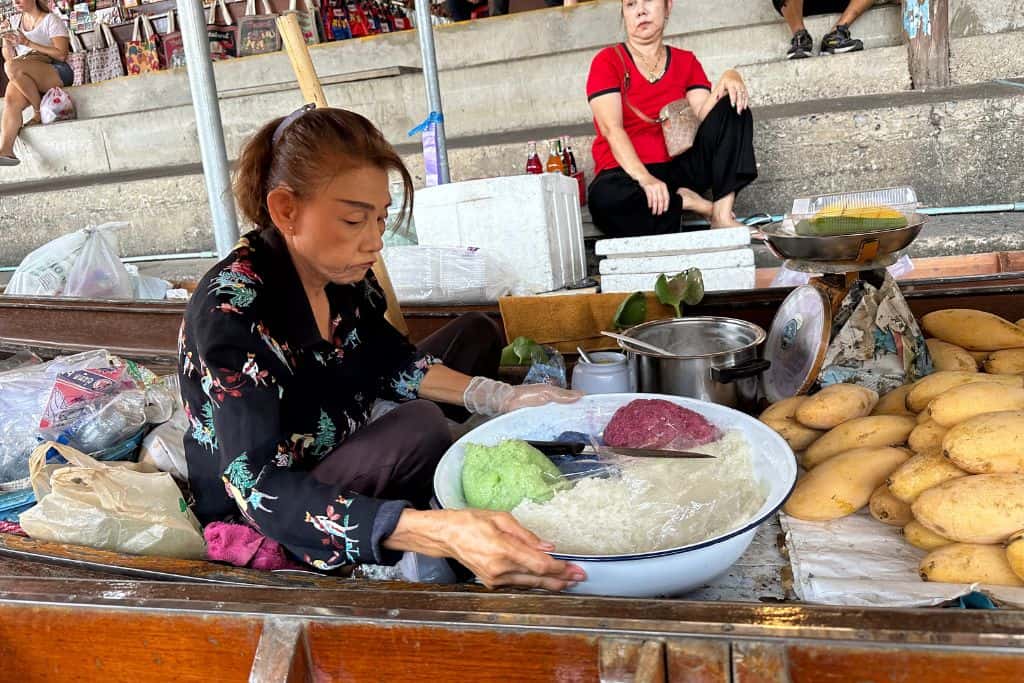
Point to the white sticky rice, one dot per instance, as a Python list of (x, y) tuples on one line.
[(653, 504)]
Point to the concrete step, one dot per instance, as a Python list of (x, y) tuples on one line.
[(956, 147)]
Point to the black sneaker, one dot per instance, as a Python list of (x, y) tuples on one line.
[(802, 45), (839, 41)]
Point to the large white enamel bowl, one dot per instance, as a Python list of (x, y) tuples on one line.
[(664, 572)]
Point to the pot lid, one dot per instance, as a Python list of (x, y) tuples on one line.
[(797, 343)]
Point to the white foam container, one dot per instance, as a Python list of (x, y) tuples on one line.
[(676, 263), (664, 572), (531, 224), (716, 280), (675, 243)]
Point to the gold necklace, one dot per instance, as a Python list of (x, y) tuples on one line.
[(653, 73)]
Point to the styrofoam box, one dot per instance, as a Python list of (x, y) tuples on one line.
[(675, 243), (717, 280), (530, 223), (677, 263)]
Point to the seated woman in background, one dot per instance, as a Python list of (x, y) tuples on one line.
[(35, 45), (639, 189)]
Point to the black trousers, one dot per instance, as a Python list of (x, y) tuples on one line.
[(395, 456), (721, 161), (812, 7)]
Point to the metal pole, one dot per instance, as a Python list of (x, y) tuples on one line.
[(425, 29), (208, 124)]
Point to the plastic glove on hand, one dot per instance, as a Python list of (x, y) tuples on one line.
[(489, 397)]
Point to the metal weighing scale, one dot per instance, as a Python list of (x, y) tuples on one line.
[(802, 330)]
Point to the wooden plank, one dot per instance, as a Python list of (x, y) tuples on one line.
[(460, 607), (282, 655), (926, 30), (49, 644), (809, 664), (692, 660), (631, 661), (362, 652), (758, 662)]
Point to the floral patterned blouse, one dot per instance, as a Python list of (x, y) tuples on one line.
[(267, 398)]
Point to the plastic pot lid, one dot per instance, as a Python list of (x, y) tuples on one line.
[(797, 343)]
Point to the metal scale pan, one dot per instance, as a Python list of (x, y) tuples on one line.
[(783, 241)]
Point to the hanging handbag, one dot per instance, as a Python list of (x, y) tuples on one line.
[(173, 45), (142, 52), (334, 15), (76, 60), (223, 36), (678, 122), (104, 61), (257, 33), (309, 20)]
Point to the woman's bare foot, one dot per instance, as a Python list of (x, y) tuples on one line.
[(728, 221), (694, 202)]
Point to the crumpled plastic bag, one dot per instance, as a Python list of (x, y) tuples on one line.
[(164, 447), (97, 272), (44, 271), (111, 507)]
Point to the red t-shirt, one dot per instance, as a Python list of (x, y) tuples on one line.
[(682, 74)]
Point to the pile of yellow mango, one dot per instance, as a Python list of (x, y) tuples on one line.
[(942, 458)]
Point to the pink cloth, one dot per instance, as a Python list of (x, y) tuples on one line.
[(12, 528), (243, 546)]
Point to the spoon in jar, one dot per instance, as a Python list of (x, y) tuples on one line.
[(638, 343), (583, 355)]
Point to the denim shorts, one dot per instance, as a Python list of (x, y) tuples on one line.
[(67, 76)]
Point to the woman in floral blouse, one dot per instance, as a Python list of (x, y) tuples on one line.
[(285, 349)]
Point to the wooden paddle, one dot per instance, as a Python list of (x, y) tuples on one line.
[(309, 83)]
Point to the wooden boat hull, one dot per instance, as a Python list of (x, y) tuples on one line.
[(148, 332)]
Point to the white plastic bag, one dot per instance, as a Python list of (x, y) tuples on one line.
[(114, 508), (44, 272), (164, 447), (56, 106), (98, 272), (446, 275)]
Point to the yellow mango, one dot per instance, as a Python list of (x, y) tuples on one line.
[(843, 484), (835, 404), (946, 356), (973, 330), (888, 509), (920, 473), (938, 383), (860, 432), (920, 536), (980, 508), (961, 403), (969, 563), (992, 442), (1005, 362), (895, 402)]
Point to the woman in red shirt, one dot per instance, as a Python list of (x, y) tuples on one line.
[(639, 189)]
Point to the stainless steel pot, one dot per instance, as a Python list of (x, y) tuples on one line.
[(713, 359)]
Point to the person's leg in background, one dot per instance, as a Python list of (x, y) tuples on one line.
[(801, 45), (470, 344), (618, 205), (10, 125), (721, 160), (33, 79), (838, 40)]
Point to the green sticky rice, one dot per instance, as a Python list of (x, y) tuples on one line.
[(500, 477)]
